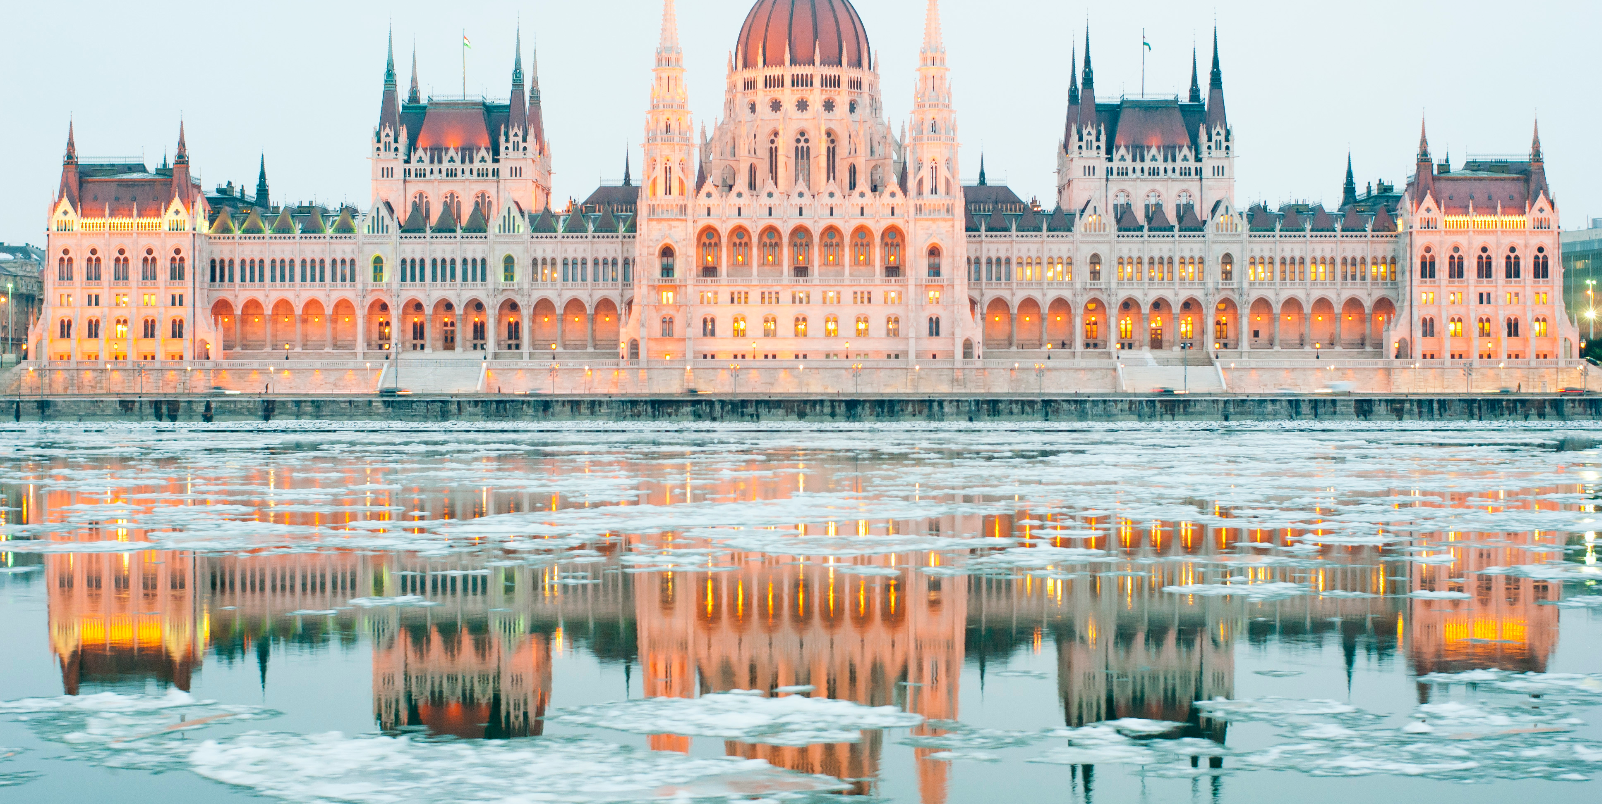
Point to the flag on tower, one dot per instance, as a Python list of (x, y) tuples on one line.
[(466, 43), (1145, 42)]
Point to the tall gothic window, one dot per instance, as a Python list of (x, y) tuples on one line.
[(829, 156), (774, 158), (804, 160)]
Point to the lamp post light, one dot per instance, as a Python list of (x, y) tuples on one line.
[(552, 373), (1041, 373), (857, 372), (735, 380)]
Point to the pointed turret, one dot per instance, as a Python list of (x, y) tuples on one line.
[(1350, 192), (518, 112), (1215, 117), (626, 168), (179, 188), (1538, 182), (69, 171), (1086, 116), (1073, 106), (412, 94), (1423, 178), (932, 53), (261, 184), (537, 121), (668, 53), (390, 106), (982, 181), (1194, 95)]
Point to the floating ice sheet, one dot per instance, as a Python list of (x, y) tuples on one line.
[(788, 720)]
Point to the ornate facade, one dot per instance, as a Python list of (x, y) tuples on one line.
[(805, 227)]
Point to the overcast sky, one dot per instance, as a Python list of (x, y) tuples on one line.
[(300, 82)]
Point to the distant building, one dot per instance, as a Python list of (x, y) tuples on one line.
[(21, 297), (1581, 254)]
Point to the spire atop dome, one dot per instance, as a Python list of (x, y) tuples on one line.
[(668, 53)]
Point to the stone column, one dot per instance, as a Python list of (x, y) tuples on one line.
[(1308, 327), (300, 319), (457, 347), (328, 331), (590, 330), (562, 326), (361, 331), (526, 319)]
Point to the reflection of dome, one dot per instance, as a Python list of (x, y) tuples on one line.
[(832, 26)]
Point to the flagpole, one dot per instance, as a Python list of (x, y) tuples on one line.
[(1144, 62), (465, 62)]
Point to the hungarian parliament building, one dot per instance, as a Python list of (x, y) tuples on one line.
[(804, 225)]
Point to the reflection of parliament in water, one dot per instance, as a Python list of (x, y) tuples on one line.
[(479, 664)]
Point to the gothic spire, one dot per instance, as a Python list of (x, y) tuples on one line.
[(412, 94), (1214, 117), (1195, 95), (261, 184), (933, 52), (1423, 154), (389, 106), (1074, 80), (517, 114), (183, 150), (1086, 115), (1537, 181), (1537, 145), (982, 169), (668, 53), (180, 185), (1350, 192), (626, 166), (68, 190), (72, 145)]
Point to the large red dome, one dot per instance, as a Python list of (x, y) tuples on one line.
[(832, 26)]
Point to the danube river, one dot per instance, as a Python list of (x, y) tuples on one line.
[(384, 613)]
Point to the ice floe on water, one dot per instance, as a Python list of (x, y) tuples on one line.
[(747, 716), (1270, 590)]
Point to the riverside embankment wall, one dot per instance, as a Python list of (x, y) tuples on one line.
[(698, 408)]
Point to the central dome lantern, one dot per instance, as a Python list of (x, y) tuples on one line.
[(831, 28)]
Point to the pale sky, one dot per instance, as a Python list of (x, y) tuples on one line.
[(300, 82)]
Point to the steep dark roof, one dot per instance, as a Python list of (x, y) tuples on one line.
[(1322, 221), (447, 220), (1190, 222), (1260, 219), (253, 224), (1158, 220), (345, 224), (1128, 222), (1060, 222), (544, 223), (1384, 222), (476, 221), (284, 224), (415, 222), (223, 223), (1291, 221), (313, 222), (1352, 221)]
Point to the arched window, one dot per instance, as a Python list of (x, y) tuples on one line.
[(1226, 266), (738, 327), (799, 326), (64, 328), (1127, 327), (119, 328), (1221, 328), (147, 328), (933, 325), (665, 259), (1512, 327), (862, 329), (92, 328), (1540, 264), (1456, 327), (771, 326), (829, 156), (933, 262), (378, 268), (1090, 327), (852, 176), (119, 267), (175, 267), (1428, 327), (147, 266), (832, 326), (830, 248), (1484, 327), (1540, 327), (709, 256), (774, 158), (668, 326), (771, 248), (801, 252), (893, 326), (862, 248), (1095, 268), (176, 328), (1456, 265), (804, 160), (565, 269), (891, 247), (751, 177), (709, 327), (1512, 264), (740, 249), (1428, 264), (1484, 264), (509, 269)]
